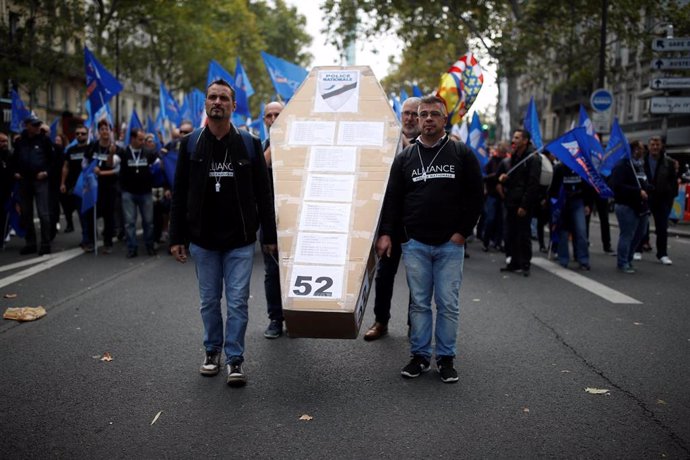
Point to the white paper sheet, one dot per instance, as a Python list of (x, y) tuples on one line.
[(316, 282), (312, 133), (330, 187), (361, 133), (333, 159), (321, 248), (325, 217)]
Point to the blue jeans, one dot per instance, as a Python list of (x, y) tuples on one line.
[(437, 271), (130, 203), (573, 217), (632, 228), (230, 269), (493, 225)]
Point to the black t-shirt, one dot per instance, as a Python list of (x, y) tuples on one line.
[(222, 228), (74, 156)]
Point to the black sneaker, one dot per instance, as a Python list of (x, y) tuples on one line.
[(446, 369), (236, 377), (26, 250), (274, 329), (211, 364), (417, 365)]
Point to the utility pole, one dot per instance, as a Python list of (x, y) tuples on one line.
[(602, 43)]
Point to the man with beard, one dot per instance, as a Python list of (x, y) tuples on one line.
[(221, 196), (71, 168), (521, 188), (388, 265), (433, 201)]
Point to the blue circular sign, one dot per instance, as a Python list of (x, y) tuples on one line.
[(601, 100)]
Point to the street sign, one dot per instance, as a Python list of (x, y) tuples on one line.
[(601, 121), (670, 83), (671, 44), (661, 105), (671, 64), (601, 100)]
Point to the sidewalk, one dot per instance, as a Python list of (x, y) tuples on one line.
[(681, 229)]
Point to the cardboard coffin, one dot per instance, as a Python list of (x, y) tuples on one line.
[(331, 147)]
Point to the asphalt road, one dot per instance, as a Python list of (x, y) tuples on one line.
[(527, 349)]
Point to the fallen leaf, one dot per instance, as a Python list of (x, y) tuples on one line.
[(156, 417), (10, 296), (306, 417), (636, 323), (106, 357), (597, 391), (526, 410), (661, 401)]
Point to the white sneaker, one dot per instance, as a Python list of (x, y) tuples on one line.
[(637, 256), (508, 259), (666, 261)]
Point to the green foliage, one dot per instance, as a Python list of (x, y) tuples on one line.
[(153, 41)]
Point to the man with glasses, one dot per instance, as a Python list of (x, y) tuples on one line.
[(71, 168), (433, 199), (388, 266), (34, 157)]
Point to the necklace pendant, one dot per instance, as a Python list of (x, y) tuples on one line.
[(137, 171), (217, 186)]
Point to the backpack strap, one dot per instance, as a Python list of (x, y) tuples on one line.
[(194, 140), (247, 138)]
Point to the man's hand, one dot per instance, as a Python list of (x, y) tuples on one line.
[(97, 171), (521, 212), (63, 188), (502, 178), (41, 175), (179, 252), (643, 195), (269, 248), (458, 239), (588, 211), (384, 246)]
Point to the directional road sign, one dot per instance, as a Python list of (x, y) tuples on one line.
[(660, 105), (671, 44), (671, 64), (670, 83)]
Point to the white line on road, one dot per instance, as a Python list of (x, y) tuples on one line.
[(588, 284), (41, 263)]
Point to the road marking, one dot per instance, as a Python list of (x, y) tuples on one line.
[(40, 264), (588, 284)]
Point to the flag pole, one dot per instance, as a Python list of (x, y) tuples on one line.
[(95, 230), (524, 159)]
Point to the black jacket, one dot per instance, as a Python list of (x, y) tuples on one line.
[(431, 210), (33, 155), (626, 187), (664, 181), (522, 189), (254, 193), (573, 185)]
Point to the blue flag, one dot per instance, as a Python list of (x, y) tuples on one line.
[(168, 106), (14, 219), (134, 122), (19, 112), (617, 148), (86, 187), (475, 141), (286, 76), (243, 90), (572, 149), (403, 95), (416, 92), (103, 113), (101, 86), (169, 165), (532, 124), (596, 151), (54, 129), (197, 100), (216, 71)]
